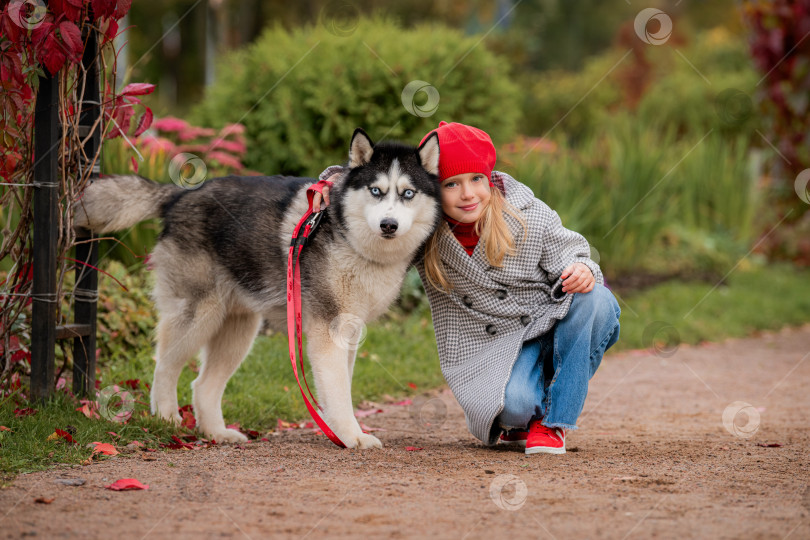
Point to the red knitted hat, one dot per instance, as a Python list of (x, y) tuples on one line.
[(463, 149)]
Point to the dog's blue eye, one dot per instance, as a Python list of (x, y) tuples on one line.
[(376, 191), (409, 194)]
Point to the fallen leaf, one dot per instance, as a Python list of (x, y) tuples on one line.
[(43, 500), (770, 445), (178, 444), (369, 412), (126, 484), (413, 448), (61, 434), (105, 448), (188, 422), (148, 457), (4, 428), (114, 434), (368, 429), (412, 385), (403, 402), (28, 411)]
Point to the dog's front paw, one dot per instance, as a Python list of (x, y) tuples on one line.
[(362, 441), (227, 436)]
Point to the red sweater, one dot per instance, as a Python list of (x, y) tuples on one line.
[(464, 233)]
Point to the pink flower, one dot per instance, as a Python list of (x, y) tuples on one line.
[(226, 160), (170, 123)]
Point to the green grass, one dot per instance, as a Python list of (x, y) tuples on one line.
[(399, 353)]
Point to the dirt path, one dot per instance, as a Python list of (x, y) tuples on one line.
[(652, 458)]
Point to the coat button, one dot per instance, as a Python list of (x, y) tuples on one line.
[(467, 301), (491, 329), (525, 320), (500, 294)]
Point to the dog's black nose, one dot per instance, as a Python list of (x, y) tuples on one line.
[(388, 226)]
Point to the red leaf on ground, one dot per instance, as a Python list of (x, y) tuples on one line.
[(28, 411), (132, 383), (177, 445), (189, 422), (126, 484), (770, 445), (368, 429), (43, 500), (105, 448), (4, 428), (235, 426), (369, 412), (64, 435), (413, 448), (252, 433), (412, 385), (403, 402)]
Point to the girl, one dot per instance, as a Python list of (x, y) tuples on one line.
[(520, 311)]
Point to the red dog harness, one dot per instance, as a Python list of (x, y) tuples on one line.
[(300, 235)]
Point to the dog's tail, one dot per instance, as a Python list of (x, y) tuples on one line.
[(113, 203)]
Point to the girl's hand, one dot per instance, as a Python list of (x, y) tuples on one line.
[(577, 278), (316, 198)]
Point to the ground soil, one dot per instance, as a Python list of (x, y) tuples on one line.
[(652, 458)]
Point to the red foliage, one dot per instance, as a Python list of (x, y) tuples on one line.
[(780, 46)]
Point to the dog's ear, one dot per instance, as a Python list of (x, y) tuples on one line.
[(429, 154), (361, 149)]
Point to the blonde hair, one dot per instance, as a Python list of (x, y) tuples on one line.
[(491, 228)]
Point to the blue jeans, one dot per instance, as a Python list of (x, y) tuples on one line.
[(550, 377)]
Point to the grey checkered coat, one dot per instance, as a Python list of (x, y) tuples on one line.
[(482, 323)]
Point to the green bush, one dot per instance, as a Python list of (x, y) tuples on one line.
[(677, 96), (301, 93), (648, 202)]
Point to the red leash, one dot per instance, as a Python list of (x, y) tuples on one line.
[(294, 332)]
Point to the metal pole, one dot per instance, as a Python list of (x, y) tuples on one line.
[(86, 294), (46, 216)]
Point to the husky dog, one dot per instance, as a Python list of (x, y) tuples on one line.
[(221, 266)]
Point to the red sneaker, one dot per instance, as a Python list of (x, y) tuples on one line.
[(515, 437), (545, 440)]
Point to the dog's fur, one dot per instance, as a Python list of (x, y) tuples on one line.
[(221, 264)]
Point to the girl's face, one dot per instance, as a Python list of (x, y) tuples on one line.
[(465, 196)]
